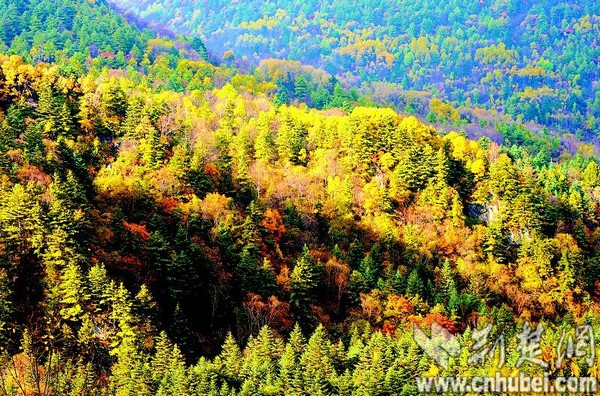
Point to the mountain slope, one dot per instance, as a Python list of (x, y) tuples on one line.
[(129, 218), (157, 211), (536, 60)]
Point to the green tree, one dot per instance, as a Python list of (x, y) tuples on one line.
[(301, 89), (304, 282), (73, 293)]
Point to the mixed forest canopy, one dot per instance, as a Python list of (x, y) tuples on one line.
[(534, 60), (172, 226)]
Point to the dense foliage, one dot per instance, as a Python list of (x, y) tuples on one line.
[(157, 212), (126, 212), (535, 60)]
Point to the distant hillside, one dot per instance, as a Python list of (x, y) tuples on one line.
[(531, 59), (84, 33)]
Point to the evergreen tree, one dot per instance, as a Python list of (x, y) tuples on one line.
[(282, 97), (72, 293), (264, 144), (304, 281), (415, 285), (35, 150), (290, 140), (319, 373), (301, 89), (370, 270), (198, 46), (230, 361), (447, 287)]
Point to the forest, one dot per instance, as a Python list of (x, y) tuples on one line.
[(175, 225), (536, 61)]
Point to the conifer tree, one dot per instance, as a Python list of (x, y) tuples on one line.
[(282, 97), (162, 358), (304, 281), (231, 360), (101, 288), (301, 89), (264, 144), (35, 150), (447, 287), (198, 45), (73, 293), (290, 139), (319, 373), (415, 285), (369, 268)]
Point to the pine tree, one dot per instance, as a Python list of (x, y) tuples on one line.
[(316, 360), (162, 358), (151, 146), (497, 244), (302, 89), (591, 176), (303, 285), (370, 270), (35, 150), (254, 278), (297, 340), (158, 256), (176, 381), (369, 374), (61, 241), (320, 98), (72, 293), (198, 45), (447, 287), (291, 139), (124, 344), (290, 378), (356, 253), (261, 356), (282, 97), (231, 360), (48, 108), (264, 144), (100, 287), (415, 285), (134, 117), (6, 309)]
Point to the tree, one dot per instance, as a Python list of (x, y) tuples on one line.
[(304, 281), (35, 150), (446, 287), (73, 293), (320, 98), (291, 138), (301, 89), (371, 270), (230, 360), (282, 97), (198, 45), (316, 360), (253, 277), (100, 287), (264, 144), (6, 308), (415, 285)]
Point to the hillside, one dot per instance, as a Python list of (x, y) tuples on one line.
[(534, 60), (220, 211), (170, 226)]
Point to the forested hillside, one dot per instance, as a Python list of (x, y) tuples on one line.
[(170, 226), (127, 212), (534, 60)]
